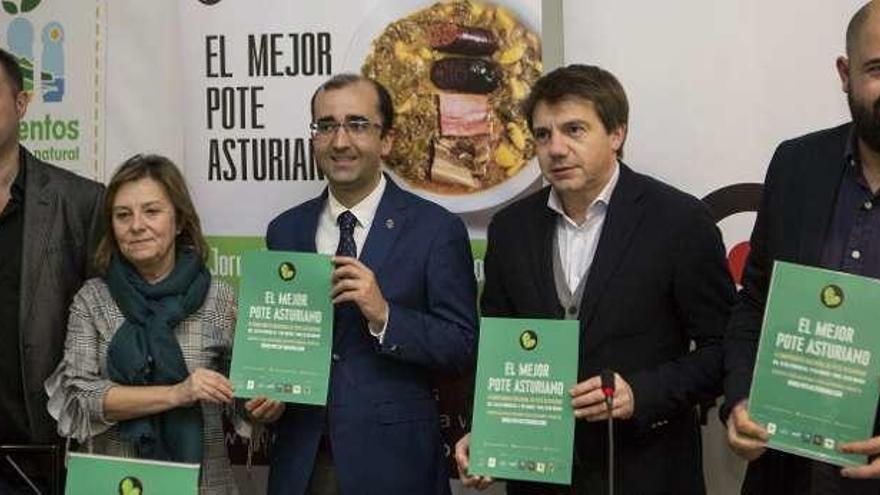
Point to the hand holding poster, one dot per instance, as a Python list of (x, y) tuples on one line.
[(815, 379)]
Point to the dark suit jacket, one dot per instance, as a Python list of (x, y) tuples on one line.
[(658, 281), (62, 214), (800, 191), (382, 415)]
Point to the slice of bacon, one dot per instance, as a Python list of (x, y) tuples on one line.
[(464, 114)]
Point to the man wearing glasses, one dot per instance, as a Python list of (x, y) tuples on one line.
[(405, 299)]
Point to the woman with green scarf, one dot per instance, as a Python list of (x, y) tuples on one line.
[(149, 342)]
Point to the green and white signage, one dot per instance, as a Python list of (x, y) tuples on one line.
[(523, 422), (815, 382), (284, 331)]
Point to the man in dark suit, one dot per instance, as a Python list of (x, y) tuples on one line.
[(49, 222), (641, 265), (405, 299), (818, 208)]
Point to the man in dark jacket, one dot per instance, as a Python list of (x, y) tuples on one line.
[(48, 228), (817, 209)]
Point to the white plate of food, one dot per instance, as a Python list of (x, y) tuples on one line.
[(458, 72)]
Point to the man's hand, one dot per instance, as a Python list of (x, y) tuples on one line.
[(588, 400), (462, 458), (870, 448), (746, 438), (203, 384), (353, 281), (264, 410)]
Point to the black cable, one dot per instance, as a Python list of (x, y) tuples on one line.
[(608, 391), (610, 449)]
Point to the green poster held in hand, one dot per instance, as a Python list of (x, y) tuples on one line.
[(815, 383), (284, 331), (523, 422), (98, 474)]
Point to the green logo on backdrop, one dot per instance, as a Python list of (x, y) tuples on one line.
[(832, 296), (287, 271), (528, 340)]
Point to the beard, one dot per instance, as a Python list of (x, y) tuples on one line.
[(866, 119)]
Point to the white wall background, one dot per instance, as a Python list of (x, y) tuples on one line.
[(713, 87)]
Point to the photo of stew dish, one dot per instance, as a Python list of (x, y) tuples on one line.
[(457, 72)]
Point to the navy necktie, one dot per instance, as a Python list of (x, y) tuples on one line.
[(346, 221)]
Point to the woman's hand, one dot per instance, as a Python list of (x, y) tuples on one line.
[(203, 385)]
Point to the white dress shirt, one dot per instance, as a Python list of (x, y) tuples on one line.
[(327, 235), (577, 242)]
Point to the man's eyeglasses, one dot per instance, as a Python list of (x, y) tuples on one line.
[(355, 128)]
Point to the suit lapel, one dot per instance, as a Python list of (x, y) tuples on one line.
[(39, 214), (304, 237), (387, 224), (818, 199), (542, 256), (625, 211)]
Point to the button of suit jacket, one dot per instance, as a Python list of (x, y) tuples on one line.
[(393, 348), (658, 424), (336, 357)]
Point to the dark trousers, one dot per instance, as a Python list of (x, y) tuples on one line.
[(323, 480)]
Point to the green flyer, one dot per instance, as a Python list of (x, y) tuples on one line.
[(89, 474), (284, 331), (523, 422), (815, 382)]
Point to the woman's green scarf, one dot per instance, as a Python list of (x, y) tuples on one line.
[(145, 351)]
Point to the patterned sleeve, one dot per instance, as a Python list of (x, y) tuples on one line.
[(227, 309), (77, 386)]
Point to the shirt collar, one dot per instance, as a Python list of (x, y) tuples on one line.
[(601, 201), (365, 210)]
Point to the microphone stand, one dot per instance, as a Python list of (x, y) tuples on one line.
[(608, 392)]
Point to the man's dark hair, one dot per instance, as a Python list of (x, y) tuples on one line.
[(856, 25), (12, 70), (587, 82), (339, 81)]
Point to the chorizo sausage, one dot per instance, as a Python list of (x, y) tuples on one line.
[(463, 40), (468, 75)]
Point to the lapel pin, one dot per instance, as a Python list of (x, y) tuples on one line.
[(389, 224)]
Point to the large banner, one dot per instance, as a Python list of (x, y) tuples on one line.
[(249, 73), (457, 72), (61, 49)]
